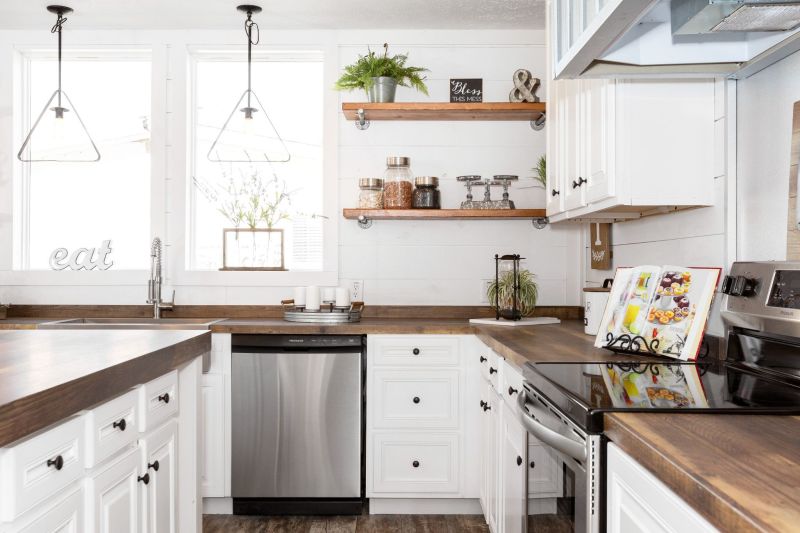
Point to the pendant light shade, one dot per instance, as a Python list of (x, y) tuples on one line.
[(248, 135), (58, 134)]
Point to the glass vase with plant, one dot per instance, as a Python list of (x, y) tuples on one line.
[(501, 294), (379, 75)]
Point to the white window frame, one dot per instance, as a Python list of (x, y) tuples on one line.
[(182, 75)]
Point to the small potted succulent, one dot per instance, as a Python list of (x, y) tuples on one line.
[(379, 75)]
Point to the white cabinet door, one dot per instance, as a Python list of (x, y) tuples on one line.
[(555, 186), (66, 516), (159, 495), (514, 475), (637, 502), (544, 472), (112, 496), (212, 477), (597, 131), (570, 135), (490, 428)]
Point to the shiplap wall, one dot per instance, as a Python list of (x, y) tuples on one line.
[(430, 262), (696, 237)]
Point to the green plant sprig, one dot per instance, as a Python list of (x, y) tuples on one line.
[(360, 74), (501, 292)]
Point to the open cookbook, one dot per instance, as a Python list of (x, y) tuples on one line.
[(666, 306)]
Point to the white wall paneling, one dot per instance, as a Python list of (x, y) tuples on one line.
[(415, 262)]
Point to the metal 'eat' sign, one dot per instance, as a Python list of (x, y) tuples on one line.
[(466, 90)]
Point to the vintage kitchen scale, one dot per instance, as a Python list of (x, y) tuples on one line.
[(500, 180), (328, 313)]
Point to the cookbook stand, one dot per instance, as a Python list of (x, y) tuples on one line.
[(631, 345)]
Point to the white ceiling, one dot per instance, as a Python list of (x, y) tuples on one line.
[(281, 14)]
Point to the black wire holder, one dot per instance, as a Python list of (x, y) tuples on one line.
[(631, 345)]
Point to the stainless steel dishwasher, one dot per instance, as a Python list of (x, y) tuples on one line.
[(297, 424)]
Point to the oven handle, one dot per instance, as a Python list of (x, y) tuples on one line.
[(569, 447)]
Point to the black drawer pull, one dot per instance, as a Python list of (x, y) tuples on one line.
[(415, 351), (144, 479), (415, 464), (519, 460), (416, 399), (483, 404), (486, 407), (555, 192), (483, 359), (492, 370), (512, 391), (121, 424), (153, 465), (58, 462), (164, 398), (533, 464)]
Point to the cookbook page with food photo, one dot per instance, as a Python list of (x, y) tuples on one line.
[(666, 306)]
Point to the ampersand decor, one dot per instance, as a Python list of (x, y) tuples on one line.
[(525, 87)]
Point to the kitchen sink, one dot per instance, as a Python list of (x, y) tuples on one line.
[(137, 323)]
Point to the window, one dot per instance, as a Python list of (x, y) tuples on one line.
[(222, 194), (80, 205)]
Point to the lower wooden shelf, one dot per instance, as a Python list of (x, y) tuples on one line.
[(443, 214)]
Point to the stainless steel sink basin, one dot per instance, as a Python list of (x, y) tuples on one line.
[(130, 323), (137, 323)]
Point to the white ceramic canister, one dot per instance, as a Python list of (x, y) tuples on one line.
[(594, 306), (312, 298)]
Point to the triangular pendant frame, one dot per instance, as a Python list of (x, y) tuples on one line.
[(71, 109), (238, 108)]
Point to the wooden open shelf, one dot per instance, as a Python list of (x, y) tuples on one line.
[(443, 214), (445, 111)]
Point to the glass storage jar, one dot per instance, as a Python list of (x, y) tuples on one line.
[(371, 194), (426, 195), (398, 183)]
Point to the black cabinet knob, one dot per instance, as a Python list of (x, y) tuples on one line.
[(416, 399), (415, 464), (512, 391), (575, 184), (486, 407), (519, 460), (57, 462), (483, 404), (492, 370), (153, 465), (121, 424), (164, 398), (144, 479), (483, 359), (415, 351), (533, 464), (555, 192)]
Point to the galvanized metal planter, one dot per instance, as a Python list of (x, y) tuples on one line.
[(383, 90), (253, 249)]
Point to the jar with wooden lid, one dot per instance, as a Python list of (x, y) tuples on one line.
[(371, 194), (426, 194), (398, 183)]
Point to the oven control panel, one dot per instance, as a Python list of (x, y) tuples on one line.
[(763, 296)]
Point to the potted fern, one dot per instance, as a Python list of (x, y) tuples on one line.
[(379, 75)]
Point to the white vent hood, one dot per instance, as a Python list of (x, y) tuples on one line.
[(689, 38)]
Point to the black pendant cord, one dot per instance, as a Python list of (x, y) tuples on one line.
[(57, 29), (249, 24)]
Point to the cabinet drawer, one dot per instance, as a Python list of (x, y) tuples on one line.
[(409, 463), (25, 476), (110, 427), (65, 516), (413, 350), (158, 400), (415, 399)]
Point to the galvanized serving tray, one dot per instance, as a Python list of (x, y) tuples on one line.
[(328, 313)]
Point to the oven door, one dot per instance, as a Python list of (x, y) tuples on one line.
[(564, 485)]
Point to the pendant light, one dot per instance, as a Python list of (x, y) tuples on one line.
[(58, 135), (248, 135)]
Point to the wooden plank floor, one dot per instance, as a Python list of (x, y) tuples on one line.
[(345, 524)]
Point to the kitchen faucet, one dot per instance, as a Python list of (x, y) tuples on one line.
[(154, 283)]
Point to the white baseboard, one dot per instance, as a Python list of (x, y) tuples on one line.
[(217, 505), (425, 506)]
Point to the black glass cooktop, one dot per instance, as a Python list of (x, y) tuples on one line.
[(585, 391)]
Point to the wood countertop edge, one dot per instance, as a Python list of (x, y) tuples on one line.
[(26, 416), (720, 510), (344, 329)]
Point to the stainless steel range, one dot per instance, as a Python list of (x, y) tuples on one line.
[(755, 370)]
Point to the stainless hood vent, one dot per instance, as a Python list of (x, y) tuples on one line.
[(692, 17)]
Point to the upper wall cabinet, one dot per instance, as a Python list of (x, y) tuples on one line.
[(622, 149), (667, 38)]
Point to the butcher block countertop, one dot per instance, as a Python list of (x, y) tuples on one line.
[(47, 376), (741, 472)]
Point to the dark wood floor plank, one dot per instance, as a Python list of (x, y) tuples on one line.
[(345, 524)]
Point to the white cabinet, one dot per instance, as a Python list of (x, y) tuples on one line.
[(491, 407), (63, 516), (514, 475), (112, 496), (213, 460), (637, 502), (160, 493), (622, 149)]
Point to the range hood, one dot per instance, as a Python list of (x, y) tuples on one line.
[(693, 17)]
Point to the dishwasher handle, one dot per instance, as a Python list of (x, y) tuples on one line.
[(570, 447)]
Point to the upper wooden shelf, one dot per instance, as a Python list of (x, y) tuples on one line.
[(444, 111), (442, 214)]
